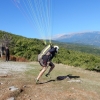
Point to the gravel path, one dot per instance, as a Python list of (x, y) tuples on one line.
[(9, 67)]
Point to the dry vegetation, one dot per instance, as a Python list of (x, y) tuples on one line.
[(79, 85)]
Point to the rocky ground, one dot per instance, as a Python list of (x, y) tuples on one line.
[(65, 83)]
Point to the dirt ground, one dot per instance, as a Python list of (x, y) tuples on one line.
[(65, 83)]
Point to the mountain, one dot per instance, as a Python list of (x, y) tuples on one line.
[(87, 38)]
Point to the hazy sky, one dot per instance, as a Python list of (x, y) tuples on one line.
[(44, 18)]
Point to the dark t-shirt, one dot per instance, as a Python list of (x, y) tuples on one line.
[(7, 51), (52, 53)]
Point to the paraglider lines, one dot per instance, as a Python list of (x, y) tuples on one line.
[(38, 14)]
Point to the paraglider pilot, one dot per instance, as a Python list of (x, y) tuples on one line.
[(47, 61)]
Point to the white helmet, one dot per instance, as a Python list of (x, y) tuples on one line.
[(57, 48)]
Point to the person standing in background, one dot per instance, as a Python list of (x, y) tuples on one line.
[(7, 53)]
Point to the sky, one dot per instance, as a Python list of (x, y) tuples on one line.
[(49, 18)]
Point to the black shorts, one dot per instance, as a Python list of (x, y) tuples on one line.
[(43, 62)]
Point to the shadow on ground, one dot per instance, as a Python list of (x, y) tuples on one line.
[(47, 81), (59, 78)]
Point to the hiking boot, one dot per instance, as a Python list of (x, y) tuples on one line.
[(47, 75), (37, 81)]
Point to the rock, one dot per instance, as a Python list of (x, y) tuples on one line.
[(12, 88), (24, 86), (1, 83), (11, 98)]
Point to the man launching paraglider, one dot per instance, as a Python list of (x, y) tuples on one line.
[(46, 61)]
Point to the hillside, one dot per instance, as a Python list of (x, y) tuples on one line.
[(29, 48), (76, 84), (87, 38), (22, 46)]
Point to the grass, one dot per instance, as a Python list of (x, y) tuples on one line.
[(53, 89), (90, 80)]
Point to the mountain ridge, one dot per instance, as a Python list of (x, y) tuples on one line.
[(88, 38)]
